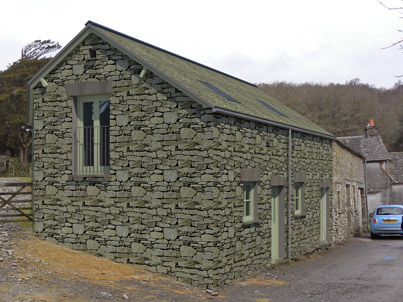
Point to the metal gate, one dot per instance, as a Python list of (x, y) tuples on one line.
[(15, 201)]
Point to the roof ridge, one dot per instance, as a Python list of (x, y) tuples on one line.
[(165, 51), (362, 136)]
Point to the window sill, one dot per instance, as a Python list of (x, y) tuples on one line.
[(299, 215), (250, 223), (83, 177)]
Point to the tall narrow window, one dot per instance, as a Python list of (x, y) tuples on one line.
[(299, 189), (249, 202), (92, 136), (298, 198)]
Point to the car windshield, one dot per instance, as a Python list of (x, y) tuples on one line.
[(390, 211)]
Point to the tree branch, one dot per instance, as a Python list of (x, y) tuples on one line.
[(390, 8)]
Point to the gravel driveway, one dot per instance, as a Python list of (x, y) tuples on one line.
[(35, 270)]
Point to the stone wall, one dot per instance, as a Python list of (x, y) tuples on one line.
[(379, 185), (349, 207), (173, 202), (377, 179), (397, 194)]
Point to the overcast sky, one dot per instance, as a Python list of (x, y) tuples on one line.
[(260, 41)]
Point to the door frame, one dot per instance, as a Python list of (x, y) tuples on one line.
[(277, 224)]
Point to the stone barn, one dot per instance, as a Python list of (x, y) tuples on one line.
[(145, 157), (349, 202)]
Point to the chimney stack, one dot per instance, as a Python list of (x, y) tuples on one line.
[(370, 130)]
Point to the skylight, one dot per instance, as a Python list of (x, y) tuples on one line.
[(220, 92), (271, 108)]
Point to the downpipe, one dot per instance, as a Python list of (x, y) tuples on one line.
[(289, 191)]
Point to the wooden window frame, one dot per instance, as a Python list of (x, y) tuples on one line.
[(299, 191), (79, 167), (299, 188), (250, 176), (249, 204)]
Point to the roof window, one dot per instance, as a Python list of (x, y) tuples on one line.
[(271, 108), (220, 92)]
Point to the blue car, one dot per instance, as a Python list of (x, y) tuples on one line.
[(387, 220)]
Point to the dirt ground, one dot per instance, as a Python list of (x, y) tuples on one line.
[(35, 270)]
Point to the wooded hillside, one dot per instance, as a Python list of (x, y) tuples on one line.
[(345, 109), (13, 100), (14, 140)]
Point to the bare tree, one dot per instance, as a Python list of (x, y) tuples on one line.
[(399, 9)]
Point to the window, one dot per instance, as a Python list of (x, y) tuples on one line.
[(298, 198), (299, 187), (389, 211), (249, 202), (92, 135), (92, 53), (219, 91), (271, 108)]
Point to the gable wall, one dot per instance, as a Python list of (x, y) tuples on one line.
[(173, 202), (377, 179), (348, 174)]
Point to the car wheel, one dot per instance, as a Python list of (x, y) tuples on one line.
[(374, 236)]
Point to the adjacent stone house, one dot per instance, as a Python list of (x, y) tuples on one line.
[(146, 157), (349, 203), (377, 165)]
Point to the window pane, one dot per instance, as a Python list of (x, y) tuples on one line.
[(104, 113), (390, 211), (88, 146), (297, 197), (247, 192), (248, 202), (104, 132), (88, 114), (88, 122)]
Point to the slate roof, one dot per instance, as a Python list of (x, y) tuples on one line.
[(396, 166), (212, 88), (372, 148)]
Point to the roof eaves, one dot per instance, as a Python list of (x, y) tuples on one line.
[(152, 68), (271, 123)]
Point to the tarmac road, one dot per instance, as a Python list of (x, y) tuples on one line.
[(363, 270)]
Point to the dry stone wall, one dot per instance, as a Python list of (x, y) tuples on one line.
[(349, 207), (173, 200)]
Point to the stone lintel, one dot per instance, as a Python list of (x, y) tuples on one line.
[(325, 184), (300, 176), (277, 180), (251, 174), (89, 88)]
